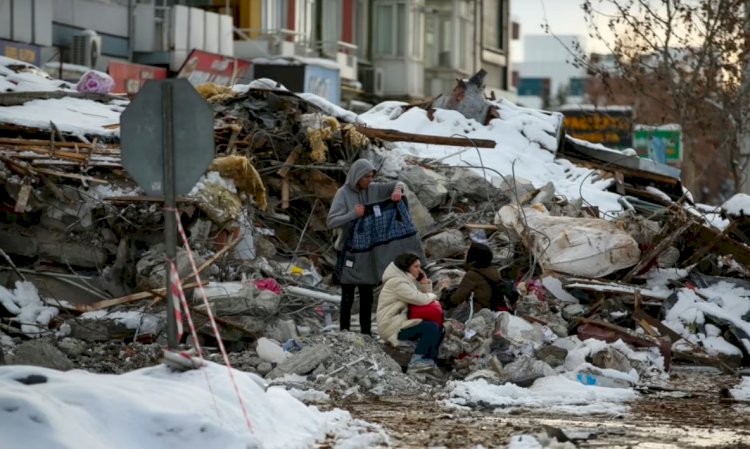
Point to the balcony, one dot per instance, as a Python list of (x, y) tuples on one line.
[(257, 43), (260, 43)]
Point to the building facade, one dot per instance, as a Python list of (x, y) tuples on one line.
[(348, 51), (547, 79)]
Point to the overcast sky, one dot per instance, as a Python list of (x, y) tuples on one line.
[(565, 17)]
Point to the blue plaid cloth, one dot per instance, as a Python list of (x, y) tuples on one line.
[(375, 240), (393, 223)]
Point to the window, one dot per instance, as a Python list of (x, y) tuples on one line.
[(384, 42), (362, 29), (493, 24), (390, 29), (274, 15), (416, 35), (466, 44), (331, 26), (304, 19)]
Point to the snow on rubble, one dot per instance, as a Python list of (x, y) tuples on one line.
[(525, 139), (73, 115), (43, 408)]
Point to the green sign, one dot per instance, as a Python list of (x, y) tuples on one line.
[(661, 144)]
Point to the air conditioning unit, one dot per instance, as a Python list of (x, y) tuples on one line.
[(372, 79), (86, 48)]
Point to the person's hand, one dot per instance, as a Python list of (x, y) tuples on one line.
[(425, 279), (397, 194), (360, 210)]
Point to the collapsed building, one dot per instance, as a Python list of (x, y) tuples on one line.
[(602, 246)]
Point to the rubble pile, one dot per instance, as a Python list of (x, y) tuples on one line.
[(600, 246)]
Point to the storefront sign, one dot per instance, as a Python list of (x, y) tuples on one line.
[(202, 67), (129, 78), (22, 52), (661, 144), (609, 126)]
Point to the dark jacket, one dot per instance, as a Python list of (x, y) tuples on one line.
[(476, 280)]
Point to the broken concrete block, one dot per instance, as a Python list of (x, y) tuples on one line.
[(264, 368), (573, 311), (420, 215), (200, 232), (263, 302), (552, 355), (151, 268), (41, 353), (98, 330), (524, 371), (611, 358), (446, 244), (72, 347), (546, 194), (470, 185), (302, 362), (73, 253), (428, 185), (514, 187), (264, 247), (282, 330), (668, 258)]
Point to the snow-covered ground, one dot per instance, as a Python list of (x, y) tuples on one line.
[(557, 394), (158, 408)]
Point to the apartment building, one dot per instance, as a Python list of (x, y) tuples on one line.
[(343, 50)]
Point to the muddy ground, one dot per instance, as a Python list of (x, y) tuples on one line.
[(690, 413)]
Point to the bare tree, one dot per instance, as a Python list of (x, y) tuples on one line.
[(679, 61)]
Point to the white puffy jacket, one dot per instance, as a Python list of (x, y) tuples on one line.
[(399, 290)]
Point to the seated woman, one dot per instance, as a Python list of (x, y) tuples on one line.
[(481, 279), (404, 284)]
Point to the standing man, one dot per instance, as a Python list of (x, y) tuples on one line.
[(349, 205)]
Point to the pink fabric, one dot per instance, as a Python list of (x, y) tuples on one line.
[(269, 284), (430, 312), (536, 287), (94, 82)]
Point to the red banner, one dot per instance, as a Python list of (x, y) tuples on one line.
[(130, 77), (201, 67)]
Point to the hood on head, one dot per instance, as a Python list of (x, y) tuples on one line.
[(360, 168)]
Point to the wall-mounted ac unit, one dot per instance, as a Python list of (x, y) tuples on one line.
[(86, 48), (372, 79)]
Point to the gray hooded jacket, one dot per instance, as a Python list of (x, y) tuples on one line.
[(342, 212)]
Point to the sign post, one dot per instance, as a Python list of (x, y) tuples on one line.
[(167, 143)]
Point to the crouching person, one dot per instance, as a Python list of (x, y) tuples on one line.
[(405, 285)]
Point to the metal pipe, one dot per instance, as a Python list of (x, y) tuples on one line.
[(170, 224)]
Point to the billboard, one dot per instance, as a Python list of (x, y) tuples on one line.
[(203, 67), (609, 126), (661, 144), (130, 77)]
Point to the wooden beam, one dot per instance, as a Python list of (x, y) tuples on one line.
[(656, 250), (290, 160), (391, 135)]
